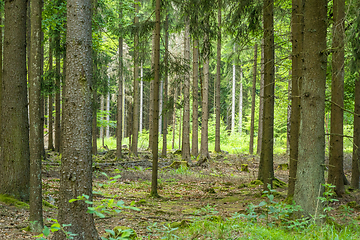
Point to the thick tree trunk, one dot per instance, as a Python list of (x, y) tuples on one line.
[(261, 101), (296, 81), (166, 60), (252, 124), (94, 121), (76, 162), (217, 85), (15, 162), (135, 121), (195, 104), (36, 147), (336, 158), (1, 65), (310, 168), (355, 170), (266, 169), (155, 149), (119, 123), (186, 115)]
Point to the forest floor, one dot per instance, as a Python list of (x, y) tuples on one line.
[(218, 187)]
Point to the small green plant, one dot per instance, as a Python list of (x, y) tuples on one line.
[(54, 228)]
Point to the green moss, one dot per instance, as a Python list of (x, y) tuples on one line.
[(12, 201), (27, 229), (255, 183), (47, 204), (183, 224), (244, 167), (230, 199), (243, 185), (278, 183), (353, 204), (140, 202), (178, 164), (215, 218)]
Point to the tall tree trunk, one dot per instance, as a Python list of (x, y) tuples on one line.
[(108, 113), (233, 95), (266, 169), (195, 105), (296, 82), (151, 107), (261, 101), (135, 121), (336, 158), (310, 168), (15, 162), (241, 94), (166, 60), (76, 162), (174, 119), (217, 85), (1, 64), (36, 148), (186, 115), (120, 109), (51, 102), (160, 105), (102, 135), (94, 121), (57, 95), (355, 170), (141, 97), (155, 149), (252, 123)]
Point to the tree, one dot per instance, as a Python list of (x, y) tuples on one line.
[(120, 99), (51, 101), (297, 28), (233, 95), (15, 162), (155, 100), (36, 147), (186, 116), (310, 168), (166, 62), (217, 85), (76, 162), (261, 101), (266, 169), (241, 96), (356, 151), (195, 103), (57, 38), (251, 144), (336, 153)]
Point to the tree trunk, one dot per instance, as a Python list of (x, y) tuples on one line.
[(102, 135), (296, 82), (94, 121), (241, 101), (1, 65), (155, 153), (135, 121), (261, 101), (166, 60), (266, 169), (233, 95), (57, 95), (186, 115), (141, 97), (310, 168), (217, 85), (355, 170), (151, 107), (76, 162), (252, 124), (108, 114), (119, 123), (15, 162), (174, 119), (51, 102), (36, 148), (195, 104), (336, 153)]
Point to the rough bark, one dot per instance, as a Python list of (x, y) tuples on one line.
[(195, 104), (355, 170), (102, 135), (1, 64), (107, 114), (141, 98), (151, 107), (310, 168), (15, 162), (119, 123), (217, 85), (36, 147), (233, 95), (336, 152), (296, 81), (155, 143), (166, 60), (51, 102), (185, 148), (174, 118), (252, 124), (266, 169), (241, 96), (57, 95), (94, 121), (76, 162), (261, 101)]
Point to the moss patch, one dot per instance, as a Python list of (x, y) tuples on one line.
[(12, 201), (47, 204), (183, 224)]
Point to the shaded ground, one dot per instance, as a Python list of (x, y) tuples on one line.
[(218, 186)]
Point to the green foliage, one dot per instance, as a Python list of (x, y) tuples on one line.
[(7, 199), (54, 228)]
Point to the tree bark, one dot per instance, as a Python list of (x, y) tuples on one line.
[(310, 168), (233, 95), (241, 96), (36, 147), (217, 85), (336, 153), (166, 60), (186, 115), (261, 101), (76, 162), (15, 162), (251, 144), (174, 119), (155, 153), (266, 169), (119, 123), (296, 82), (195, 104), (51, 102), (141, 98), (355, 170), (102, 135), (57, 94)]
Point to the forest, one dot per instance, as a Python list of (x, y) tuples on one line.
[(169, 119)]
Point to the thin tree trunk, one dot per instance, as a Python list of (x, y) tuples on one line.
[(36, 148), (185, 148), (51, 101), (296, 82), (166, 60), (252, 124), (108, 114), (155, 153), (195, 105), (241, 101), (141, 97), (120, 108), (336, 158), (160, 105), (151, 107), (355, 170), (102, 137), (57, 95), (217, 85), (94, 121), (233, 95), (261, 101), (266, 170), (174, 119)]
